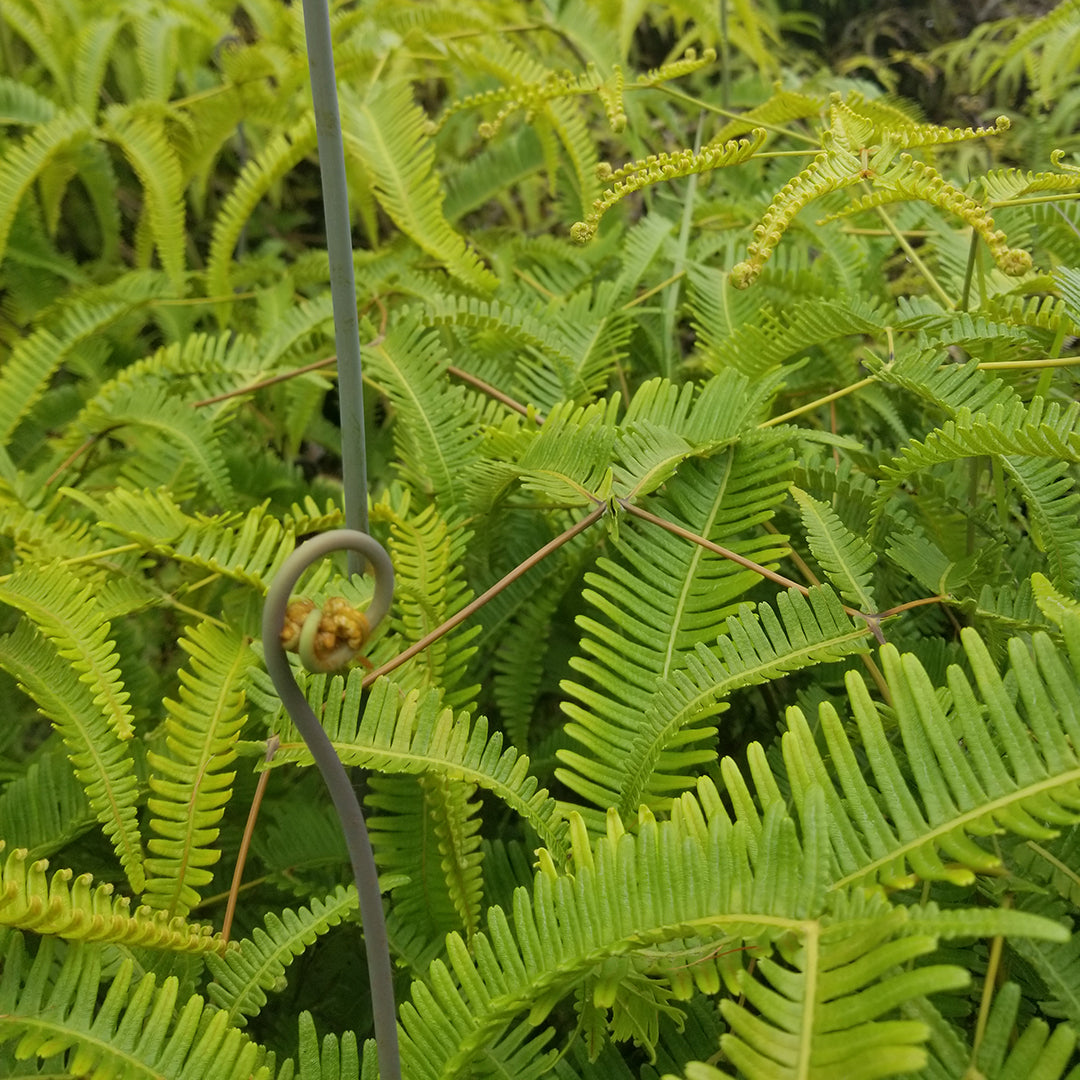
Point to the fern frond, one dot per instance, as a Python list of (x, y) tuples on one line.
[(280, 156), (425, 831), (27, 369), (758, 344), (141, 136), (65, 611), (1001, 1055), (77, 910), (846, 558), (181, 435), (138, 1029), (45, 808), (22, 104), (386, 130), (692, 877), (189, 785), (101, 762), (661, 599), (243, 975), (759, 646), (660, 167), (417, 735), (248, 548), (428, 557), (1048, 438), (1012, 769), (434, 435), (23, 164)]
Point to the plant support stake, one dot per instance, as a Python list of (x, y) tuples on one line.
[(337, 780), (342, 280)]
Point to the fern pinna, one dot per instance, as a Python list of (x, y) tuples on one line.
[(722, 435)]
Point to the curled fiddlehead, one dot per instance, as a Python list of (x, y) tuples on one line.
[(337, 780)]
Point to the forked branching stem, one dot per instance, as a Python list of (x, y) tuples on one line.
[(337, 780)]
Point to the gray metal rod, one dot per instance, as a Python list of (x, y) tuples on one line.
[(342, 279), (346, 803)]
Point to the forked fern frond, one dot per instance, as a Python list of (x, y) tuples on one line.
[(661, 599), (188, 782), (77, 910), (759, 646), (866, 147)]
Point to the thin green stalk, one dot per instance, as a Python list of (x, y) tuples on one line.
[(342, 280), (347, 805), (725, 68), (969, 271)]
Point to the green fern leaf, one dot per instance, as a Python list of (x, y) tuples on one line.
[(282, 154), (661, 599), (758, 647), (45, 808), (997, 777), (64, 610), (243, 975), (248, 548), (22, 165), (387, 131), (133, 1030), (418, 735), (98, 754), (847, 559), (190, 787), (428, 558), (435, 433), (141, 136)]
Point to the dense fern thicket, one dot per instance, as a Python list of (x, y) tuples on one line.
[(770, 768)]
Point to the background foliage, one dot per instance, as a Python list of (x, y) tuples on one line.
[(772, 768)]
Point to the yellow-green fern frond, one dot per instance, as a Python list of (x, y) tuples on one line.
[(73, 908), (189, 784), (386, 131), (140, 134), (101, 760), (418, 734), (280, 156), (244, 974), (21, 165)]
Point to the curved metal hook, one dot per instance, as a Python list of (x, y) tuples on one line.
[(333, 772)]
